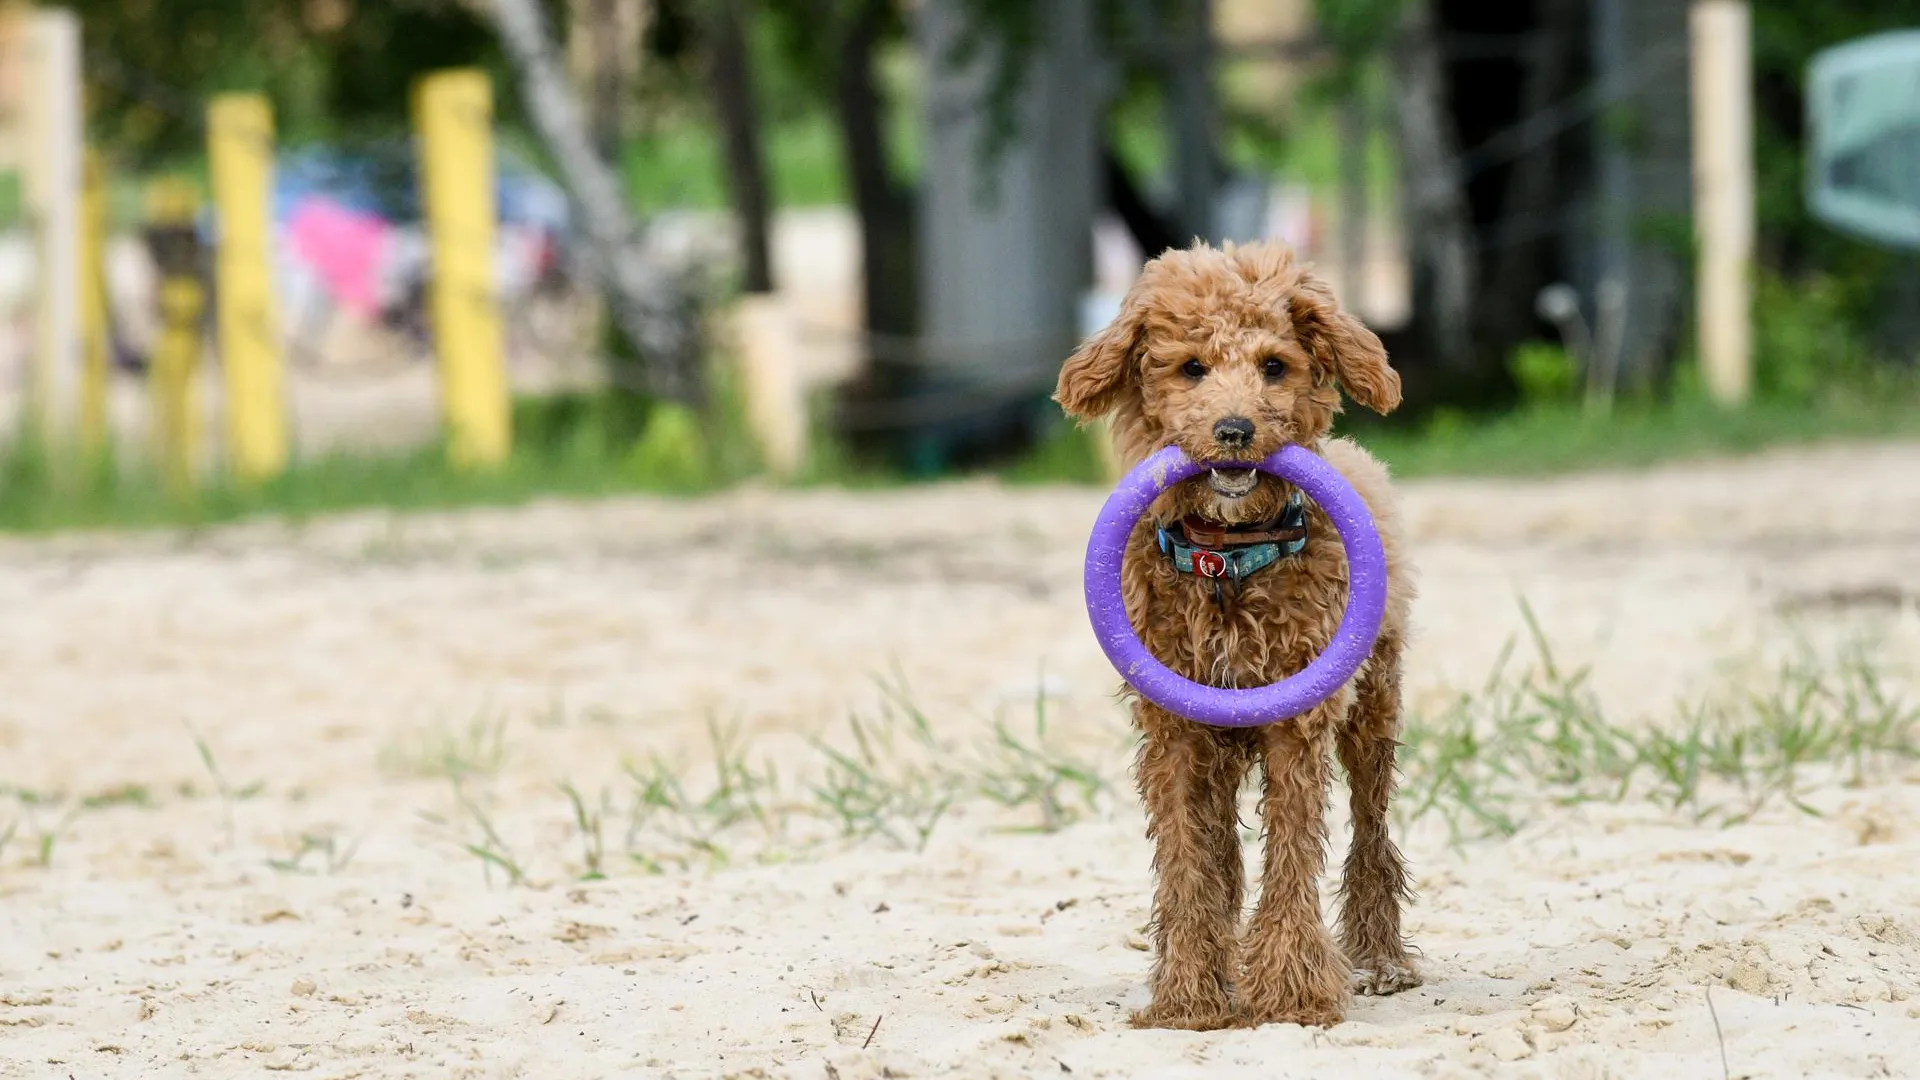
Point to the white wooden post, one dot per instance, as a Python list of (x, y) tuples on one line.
[(51, 185), (776, 398), (1723, 197)]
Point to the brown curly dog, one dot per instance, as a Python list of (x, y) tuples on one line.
[(1231, 353)]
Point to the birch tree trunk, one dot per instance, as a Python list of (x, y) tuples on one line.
[(649, 302)]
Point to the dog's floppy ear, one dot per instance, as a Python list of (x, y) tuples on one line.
[(1342, 344), (1093, 377)]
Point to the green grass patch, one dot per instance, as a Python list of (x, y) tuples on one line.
[(1557, 439), (1533, 736), (1541, 734), (592, 444)]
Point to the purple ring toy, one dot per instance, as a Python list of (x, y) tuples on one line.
[(1213, 705)]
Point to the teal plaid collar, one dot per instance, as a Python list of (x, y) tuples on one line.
[(1236, 562)]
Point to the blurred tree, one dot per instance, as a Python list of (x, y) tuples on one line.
[(654, 320), (604, 54), (729, 64), (332, 68), (836, 46)]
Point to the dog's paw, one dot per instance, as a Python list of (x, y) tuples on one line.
[(1380, 978), (1306, 1014), (1197, 1016), (1293, 979)]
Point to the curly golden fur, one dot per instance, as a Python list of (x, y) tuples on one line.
[(1245, 335)]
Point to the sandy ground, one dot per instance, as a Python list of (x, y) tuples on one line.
[(158, 916)]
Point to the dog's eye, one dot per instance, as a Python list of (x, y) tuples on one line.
[(1193, 369), (1274, 367)]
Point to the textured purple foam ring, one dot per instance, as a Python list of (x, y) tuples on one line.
[(1217, 706)]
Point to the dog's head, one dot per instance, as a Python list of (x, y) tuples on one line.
[(1230, 353)]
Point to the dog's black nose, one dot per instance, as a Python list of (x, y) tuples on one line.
[(1235, 432)]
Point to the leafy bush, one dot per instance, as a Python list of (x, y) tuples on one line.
[(1544, 372), (1806, 337)]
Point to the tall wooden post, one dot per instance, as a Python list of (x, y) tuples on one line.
[(240, 151), (454, 116), (51, 161), (1723, 193)]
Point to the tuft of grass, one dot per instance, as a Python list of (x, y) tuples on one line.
[(137, 795), (45, 837), (890, 784), (1543, 734), (229, 795), (589, 826), (450, 753), (887, 780), (1031, 772), (671, 821), (490, 848), (315, 853), (1530, 735)]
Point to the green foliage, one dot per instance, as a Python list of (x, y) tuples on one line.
[(1806, 336), (672, 450), (677, 164), (1357, 30), (1066, 454), (1544, 372), (151, 66)]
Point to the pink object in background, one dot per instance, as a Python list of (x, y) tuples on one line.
[(346, 250)]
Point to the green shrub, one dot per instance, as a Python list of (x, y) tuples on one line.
[(1544, 372), (1806, 338)]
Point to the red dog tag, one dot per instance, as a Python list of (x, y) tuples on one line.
[(1209, 564)]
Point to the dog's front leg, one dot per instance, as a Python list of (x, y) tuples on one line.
[(1189, 779), (1291, 970), (1374, 886)]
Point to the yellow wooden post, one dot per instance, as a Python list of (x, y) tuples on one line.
[(172, 208), (453, 113), (240, 151), (95, 341), (175, 355)]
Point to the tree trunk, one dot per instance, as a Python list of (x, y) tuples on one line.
[(650, 305), (1151, 230), (885, 209), (732, 78), (1519, 265), (1192, 119), (603, 47), (1438, 218)]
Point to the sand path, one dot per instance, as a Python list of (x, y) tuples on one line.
[(336, 673)]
